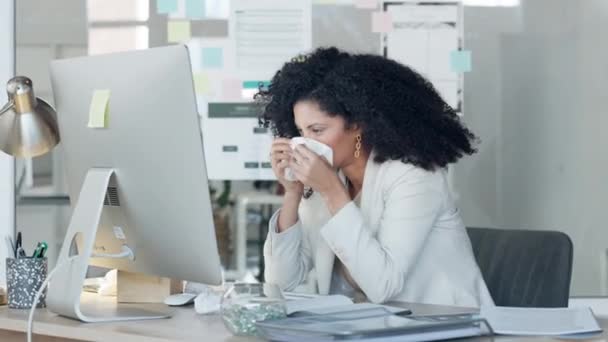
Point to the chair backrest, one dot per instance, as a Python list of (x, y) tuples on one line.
[(524, 268)]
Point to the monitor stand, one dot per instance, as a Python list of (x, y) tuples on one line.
[(65, 288)]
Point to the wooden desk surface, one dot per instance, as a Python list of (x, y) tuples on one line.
[(185, 325)]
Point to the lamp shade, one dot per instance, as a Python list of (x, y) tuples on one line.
[(28, 125)]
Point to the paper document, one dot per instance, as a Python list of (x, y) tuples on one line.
[(322, 305), (431, 35), (358, 306), (268, 33), (540, 321), (316, 303)]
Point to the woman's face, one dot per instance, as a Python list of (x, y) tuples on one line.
[(316, 124)]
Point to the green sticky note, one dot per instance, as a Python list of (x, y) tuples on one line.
[(195, 9), (201, 84), (178, 31), (213, 57), (98, 111), (460, 61), (166, 6), (255, 84)]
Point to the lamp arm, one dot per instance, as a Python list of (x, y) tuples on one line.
[(10, 104)]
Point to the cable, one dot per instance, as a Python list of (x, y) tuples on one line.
[(126, 253), (30, 321)]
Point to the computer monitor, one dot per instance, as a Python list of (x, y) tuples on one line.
[(138, 185)]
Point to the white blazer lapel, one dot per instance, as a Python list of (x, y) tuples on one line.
[(324, 266), (325, 257), (369, 192)]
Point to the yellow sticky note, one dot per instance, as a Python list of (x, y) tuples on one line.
[(98, 111), (201, 84), (178, 31)]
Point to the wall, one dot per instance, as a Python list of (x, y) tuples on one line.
[(47, 30), (536, 98), (7, 181)]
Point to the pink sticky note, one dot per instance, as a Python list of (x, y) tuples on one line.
[(232, 89), (382, 22), (366, 4)]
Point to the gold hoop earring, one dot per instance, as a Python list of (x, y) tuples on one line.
[(358, 146)]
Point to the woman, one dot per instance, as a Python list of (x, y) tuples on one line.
[(380, 222)]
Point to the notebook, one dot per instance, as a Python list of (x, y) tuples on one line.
[(369, 324)]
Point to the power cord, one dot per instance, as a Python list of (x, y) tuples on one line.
[(30, 321), (127, 252)]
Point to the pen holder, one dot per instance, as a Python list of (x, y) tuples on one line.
[(24, 276)]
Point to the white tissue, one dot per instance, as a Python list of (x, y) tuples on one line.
[(313, 145), (108, 284), (207, 301)]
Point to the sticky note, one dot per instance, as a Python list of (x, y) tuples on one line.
[(201, 84), (460, 61), (382, 22), (232, 88), (166, 6), (178, 31), (98, 110), (213, 57), (255, 84), (373, 4), (195, 9)]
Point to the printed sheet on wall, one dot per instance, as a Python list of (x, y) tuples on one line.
[(426, 35), (262, 35)]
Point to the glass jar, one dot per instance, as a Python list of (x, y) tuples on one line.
[(243, 305)]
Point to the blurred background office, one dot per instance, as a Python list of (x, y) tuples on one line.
[(535, 95)]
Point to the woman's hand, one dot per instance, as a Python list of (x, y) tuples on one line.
[(314, 171), (280, 155)]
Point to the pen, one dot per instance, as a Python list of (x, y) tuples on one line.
[(43, 249), (11, 246), (36, 250), (40, 250), (18, 242), (20, 252)]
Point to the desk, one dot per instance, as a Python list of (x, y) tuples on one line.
[(185, 325)]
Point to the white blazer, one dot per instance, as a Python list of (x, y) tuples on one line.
[(406, 242)]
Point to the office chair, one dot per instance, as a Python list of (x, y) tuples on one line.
[(524, 268)]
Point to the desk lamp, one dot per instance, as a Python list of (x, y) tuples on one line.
[(28, 128), (28, 125)]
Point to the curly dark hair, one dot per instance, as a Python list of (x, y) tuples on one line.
[(401, 115)]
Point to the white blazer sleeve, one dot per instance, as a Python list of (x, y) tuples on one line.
[(380, 264), (287, 255)]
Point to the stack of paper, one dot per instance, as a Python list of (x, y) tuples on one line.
[(540, 321), (303, 304)]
